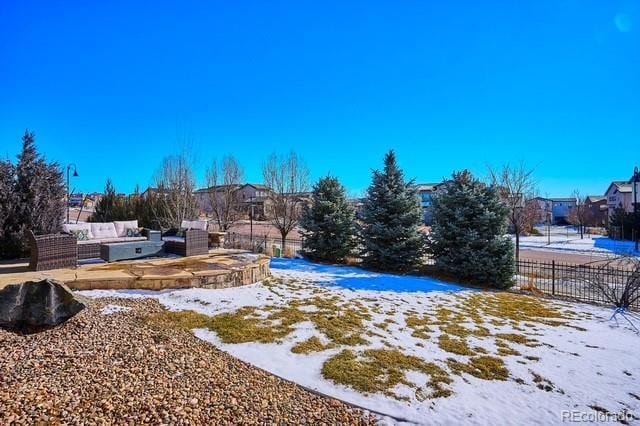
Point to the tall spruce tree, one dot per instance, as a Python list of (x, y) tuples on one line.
[(7, 204), (468, 238), (39, 195), (391, 220), (329, 223)]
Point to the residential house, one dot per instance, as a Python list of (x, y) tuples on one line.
[(75, 200), (597, 210), (619, 194), (562, 208), (425, 191), (544, 212), (250, 197), (358, 206), (556, 210)]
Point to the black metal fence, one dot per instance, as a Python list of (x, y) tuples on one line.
[(572, 280), (559, 279), (271, 246)]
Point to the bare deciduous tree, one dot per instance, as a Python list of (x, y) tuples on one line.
[(223, 199), (175, 184), (622, 290), (579, 215), (287, 177), (517, 187)]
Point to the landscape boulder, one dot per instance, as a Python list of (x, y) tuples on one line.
[(34, 305)]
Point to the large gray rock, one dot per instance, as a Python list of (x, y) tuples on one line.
[(34, 305)]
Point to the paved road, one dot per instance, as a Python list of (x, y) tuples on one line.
[(573, 258), (558, 256)]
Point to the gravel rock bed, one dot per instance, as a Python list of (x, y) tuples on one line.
[(118, 369)]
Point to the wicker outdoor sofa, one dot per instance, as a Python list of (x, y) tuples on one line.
[(54, 251)]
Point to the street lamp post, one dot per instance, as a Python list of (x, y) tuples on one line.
[(636, 182), (251, 205), (251, 220), (546, 207), (75, 174)]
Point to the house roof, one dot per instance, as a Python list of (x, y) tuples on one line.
[(216, 188), (620, 185), (428, 186), (562, 200), (257, 186), (595, 198)]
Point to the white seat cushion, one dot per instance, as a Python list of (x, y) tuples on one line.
[(194, 224), (91, 241), (68, 227), (173, 238), (123, 225), (103, 230), (112, 240), (121, 240)]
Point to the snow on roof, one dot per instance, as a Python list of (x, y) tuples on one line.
[(596, 198), (428, 186)]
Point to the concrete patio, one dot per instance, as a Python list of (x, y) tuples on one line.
[(219, 269)]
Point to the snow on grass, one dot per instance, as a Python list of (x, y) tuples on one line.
[(590, 244), (441, 356)]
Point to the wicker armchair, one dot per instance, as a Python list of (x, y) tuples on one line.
[(194, 243), (52, 251)]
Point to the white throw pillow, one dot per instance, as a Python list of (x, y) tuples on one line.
[(68, 227), (103, 230), (194, 224), (122, 225)]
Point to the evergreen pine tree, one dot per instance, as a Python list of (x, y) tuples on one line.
[(38, 195), (108, 207), (621, 224), (391, 218), (468, 238), (329, 223), (7, 204)]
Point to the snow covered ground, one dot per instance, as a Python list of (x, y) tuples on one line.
[(568, 240), (576, 362)]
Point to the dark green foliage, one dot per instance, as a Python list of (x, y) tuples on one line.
[(110, 207), (113, 207), (330, 234), (391, 220), (468, 238), (7, 203), (33, 199), (622, 224)]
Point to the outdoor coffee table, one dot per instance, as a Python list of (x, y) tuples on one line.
[(112, 252)]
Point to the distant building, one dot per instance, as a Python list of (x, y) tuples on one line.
[(425, 191), (597, 210), (544, 211), (358, 206), (75, 200), (555, 210), (249, 196), (619, 194)]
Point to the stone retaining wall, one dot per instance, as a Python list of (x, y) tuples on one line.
[(208, 271)]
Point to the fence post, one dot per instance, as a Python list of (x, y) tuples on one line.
[(553, 277)]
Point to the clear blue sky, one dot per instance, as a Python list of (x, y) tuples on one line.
[(115, 86)]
